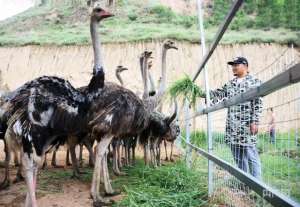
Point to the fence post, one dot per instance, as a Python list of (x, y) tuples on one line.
[(209, 128), (187, 132)]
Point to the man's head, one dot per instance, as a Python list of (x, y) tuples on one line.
[(239, 66)]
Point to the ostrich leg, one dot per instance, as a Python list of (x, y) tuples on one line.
[(74, 162), (16, 158), (107, 185), (31, 171), (89, 147), (68, 163), (116, 168), (133, 150), (53, 161), (19, 176), (165, 144), (80, 155), (6, 182), (157, 148), (100, 155), (171, 155), (45, 164)]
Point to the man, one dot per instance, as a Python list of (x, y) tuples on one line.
[(242, 119)]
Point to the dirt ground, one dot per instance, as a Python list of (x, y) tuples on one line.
[(71, 193)]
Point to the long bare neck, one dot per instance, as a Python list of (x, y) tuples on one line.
[(145, 78), (162, 85), (118, 75), (152, 84), (98, 62)]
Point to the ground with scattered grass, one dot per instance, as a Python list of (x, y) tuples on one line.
[(172, 184)]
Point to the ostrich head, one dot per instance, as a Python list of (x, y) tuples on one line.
[(120, 69), (173, 130), (169, 44), (99, 9)]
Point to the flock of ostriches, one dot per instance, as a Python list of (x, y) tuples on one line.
[(48, 112)]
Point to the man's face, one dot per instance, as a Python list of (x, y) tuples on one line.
[(239, 69)]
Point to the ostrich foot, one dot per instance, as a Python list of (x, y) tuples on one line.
[(45, 165), (172, 160), (56, 166), (100, 202), (75, 176), (5, 184), (115, 193), (82, 172), (119, 173), (167, 159)]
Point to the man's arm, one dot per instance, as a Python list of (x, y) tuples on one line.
[(217, 95)]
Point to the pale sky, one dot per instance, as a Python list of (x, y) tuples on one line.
[(9, 8)]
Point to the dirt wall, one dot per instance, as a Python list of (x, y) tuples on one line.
[(20, 64)]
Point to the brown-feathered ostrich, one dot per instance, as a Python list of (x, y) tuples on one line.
[(130, 142), (45, 108), (117, 142), (118, 112)]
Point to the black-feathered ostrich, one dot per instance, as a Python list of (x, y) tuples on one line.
[(42, 110)]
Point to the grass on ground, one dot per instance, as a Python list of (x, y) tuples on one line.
[(280, 161), (171, 185)]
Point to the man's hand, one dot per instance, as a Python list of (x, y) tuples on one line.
[(253, 129)]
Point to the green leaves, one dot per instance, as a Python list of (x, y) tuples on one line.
[(186, 88)]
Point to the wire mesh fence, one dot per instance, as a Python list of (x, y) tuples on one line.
[(272, 156)]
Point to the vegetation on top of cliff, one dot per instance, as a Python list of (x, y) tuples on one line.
[(61, 23)]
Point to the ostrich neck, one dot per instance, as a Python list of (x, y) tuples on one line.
[(98, 63), (152, 84), (162, 86), (119, 78), (145, 78)]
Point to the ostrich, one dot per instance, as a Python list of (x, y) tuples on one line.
[(152, 102), (45, 108), (117, 142), (118, 112), (129, 143)]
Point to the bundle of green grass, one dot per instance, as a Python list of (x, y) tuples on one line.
[(186, 88), (168, 186)]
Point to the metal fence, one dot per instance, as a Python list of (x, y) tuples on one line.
[(230, 181)]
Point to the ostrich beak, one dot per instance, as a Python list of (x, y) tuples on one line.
[(124, 69), (105, 14), (174, 47), (101, 13)]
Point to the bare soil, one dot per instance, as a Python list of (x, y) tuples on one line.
[(65, 192)]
